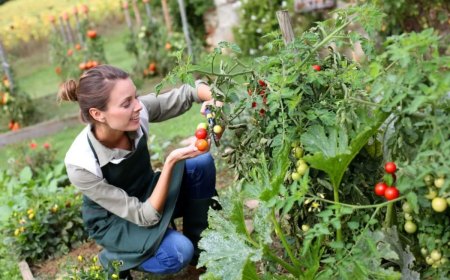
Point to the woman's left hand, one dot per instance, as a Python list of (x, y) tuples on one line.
[(187, 152)]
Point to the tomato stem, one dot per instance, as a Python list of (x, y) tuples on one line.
[(281, 262), (358, 206), (389, 215), (279, 233)]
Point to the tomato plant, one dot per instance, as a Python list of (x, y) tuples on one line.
[(347, 120)]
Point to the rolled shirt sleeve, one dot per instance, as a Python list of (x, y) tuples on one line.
[(172, 103), (112, 198)]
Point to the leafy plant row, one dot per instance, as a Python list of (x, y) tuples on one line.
[(309, 130)]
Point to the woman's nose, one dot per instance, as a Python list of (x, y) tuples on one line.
[(138, 106)]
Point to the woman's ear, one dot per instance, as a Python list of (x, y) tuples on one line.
[(97, 115)]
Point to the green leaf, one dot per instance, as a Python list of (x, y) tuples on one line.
[(26, 174), (226, 252), (331, 152)]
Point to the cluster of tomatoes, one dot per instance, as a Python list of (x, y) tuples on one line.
[(382, 188), (259, 89), (434, 184), (300, 165), (201, 133)]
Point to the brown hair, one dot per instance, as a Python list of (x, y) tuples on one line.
[(92, 90)]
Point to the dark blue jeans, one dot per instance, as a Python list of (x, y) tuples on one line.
[(176, 251)]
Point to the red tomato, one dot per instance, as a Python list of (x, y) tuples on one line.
[(380, 188), (201, 133), (391, 193), (92, 34), (390, 167), (262, 83), (316, 67), (201, 144)]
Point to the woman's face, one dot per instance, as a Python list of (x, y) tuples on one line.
[(123, 107)]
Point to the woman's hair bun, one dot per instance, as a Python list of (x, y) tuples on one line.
[(68, 91)]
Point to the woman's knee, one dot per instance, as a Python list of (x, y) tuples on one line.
[(200, 164), (174, 253), (199, 179)]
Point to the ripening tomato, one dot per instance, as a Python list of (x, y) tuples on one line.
[(152, 67), (201, 144), (316, 67), (391, 193), (217, 129), (201, 133), (390, 167), (92, 34), (380, 188)]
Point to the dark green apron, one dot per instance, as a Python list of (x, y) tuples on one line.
[(122, 240)]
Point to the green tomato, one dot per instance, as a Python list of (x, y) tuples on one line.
[(435, 255), (429, 260), (439, 182), (424, 251), (432, 193), (302, 168), (202, 125), (439, 204), (428, 179), (295, 176), (410, 227), (298, 152), (305, 227), (300, 162), (408, 217), (407, 208)]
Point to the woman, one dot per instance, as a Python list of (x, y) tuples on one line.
[(127, 206)]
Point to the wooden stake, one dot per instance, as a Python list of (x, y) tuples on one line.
[(137, 15), (25, 271), (6, 67), (166, 16), (285, 25), (62, 29), (70, 31), (80, 36), (185, 28), (127, 15), (148, 11)]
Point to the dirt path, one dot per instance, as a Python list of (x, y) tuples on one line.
[(38, 130)]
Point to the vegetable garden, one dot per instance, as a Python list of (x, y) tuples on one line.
[(340, 161)]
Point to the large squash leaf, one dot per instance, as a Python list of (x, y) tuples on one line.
[(227, 253), (332, 150)]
